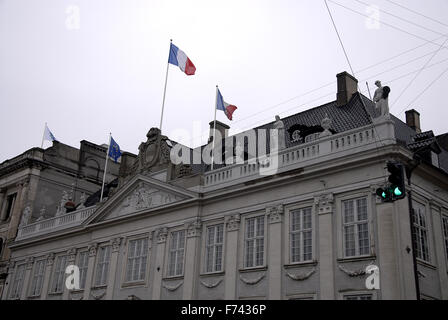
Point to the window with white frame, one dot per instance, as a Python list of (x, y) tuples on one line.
[(37, 278), (301, 235), (136, 260), (59, 275), (356, 227), (213, 248), (176, 253), (420, 231), (358, 297), (17, 283), (102, 266), (254, 242), (83, 263), (445, 233)]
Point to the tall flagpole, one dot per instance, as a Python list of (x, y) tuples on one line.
[(214, 126), (105, 167), (164, 90), (43, 136)]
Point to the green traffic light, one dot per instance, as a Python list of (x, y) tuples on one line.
[(383, 195), (397, 191)]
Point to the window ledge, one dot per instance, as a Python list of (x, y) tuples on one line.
[(355, 259), (173, 278), (76, 291), (54, 293), (140, 283), (103, 286), (426, 264), (211, 274), (311, 263), (254, 269)]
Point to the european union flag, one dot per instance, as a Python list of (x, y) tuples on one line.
[(114, 150)]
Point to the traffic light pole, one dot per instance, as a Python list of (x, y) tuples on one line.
[(411, 221)]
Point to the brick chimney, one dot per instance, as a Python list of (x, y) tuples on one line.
[(413, 120), (220, 127), (347, 87)]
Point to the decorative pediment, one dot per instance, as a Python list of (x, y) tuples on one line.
[(141, 194)]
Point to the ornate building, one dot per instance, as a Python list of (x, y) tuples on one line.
[(307, 231), (42, 185)]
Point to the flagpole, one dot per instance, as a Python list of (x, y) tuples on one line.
[(105, 167), (214, 126), (43, 136), (164, 90)]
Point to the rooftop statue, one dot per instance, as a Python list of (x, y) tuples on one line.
[(381, 99)]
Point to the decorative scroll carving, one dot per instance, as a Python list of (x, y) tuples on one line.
[(116, 244), (172, 288), (301, 276), (50, 259), (324, 203), (71, 255), (29, 263), (253, 281), (233, 222), (275, 213), (93, 249), (161, 235), (98, 296), (355, 273), (194, 228), (211, 285)]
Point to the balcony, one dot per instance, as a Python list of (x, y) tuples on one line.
[(62, 222), (300, 156)]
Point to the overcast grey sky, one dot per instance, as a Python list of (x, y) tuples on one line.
[(105, 71)]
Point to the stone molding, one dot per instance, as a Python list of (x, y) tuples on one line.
[(233, 222), (274, 213), (324, 203)]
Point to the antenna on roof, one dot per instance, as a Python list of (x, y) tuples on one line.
[(368, 89)]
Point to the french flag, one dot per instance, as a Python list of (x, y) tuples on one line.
[(224, 106), (180, 59)]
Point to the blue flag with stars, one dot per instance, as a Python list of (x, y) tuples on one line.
[(114, 150)]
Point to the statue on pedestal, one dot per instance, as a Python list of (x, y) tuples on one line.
[(26, 216), (279, 129), (381, 99)]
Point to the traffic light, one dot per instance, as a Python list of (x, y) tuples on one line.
[(395, 190), (396, 180)]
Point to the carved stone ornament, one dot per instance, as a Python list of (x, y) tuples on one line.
[(26, 216), (355, 273), (252, 282), (172, 288), (154, 151), (98, 296), (116, 244), (194, 228), (275, 213), (326, 124), (71, 254), (50, 259), (162, 233), (324, 203), (211, 285), (301, 276), (233, 222), (29, 263), (93, 249)]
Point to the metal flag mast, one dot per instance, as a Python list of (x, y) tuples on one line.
[(43, 136), (214, 126), (164, 90), (105, 167)]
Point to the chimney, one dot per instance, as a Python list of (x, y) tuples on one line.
[(221, 128), (347, 87), (413, 120)]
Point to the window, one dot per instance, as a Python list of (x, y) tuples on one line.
[(83, 263), (1, 247), (358, 297), (356, 227), (16, 288), (213, 248), (137, 257), (102, 267), (176, 254), (301, 235), (10, 200), (59, 275), (38, 278), (254, 242), (420, 231), (445, 233)]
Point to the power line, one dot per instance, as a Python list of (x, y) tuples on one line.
[(418, 13), (426, 89), (418, 73), (385, 23), (402, 19)]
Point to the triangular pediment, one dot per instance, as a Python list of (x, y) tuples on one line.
[(141, 194)]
